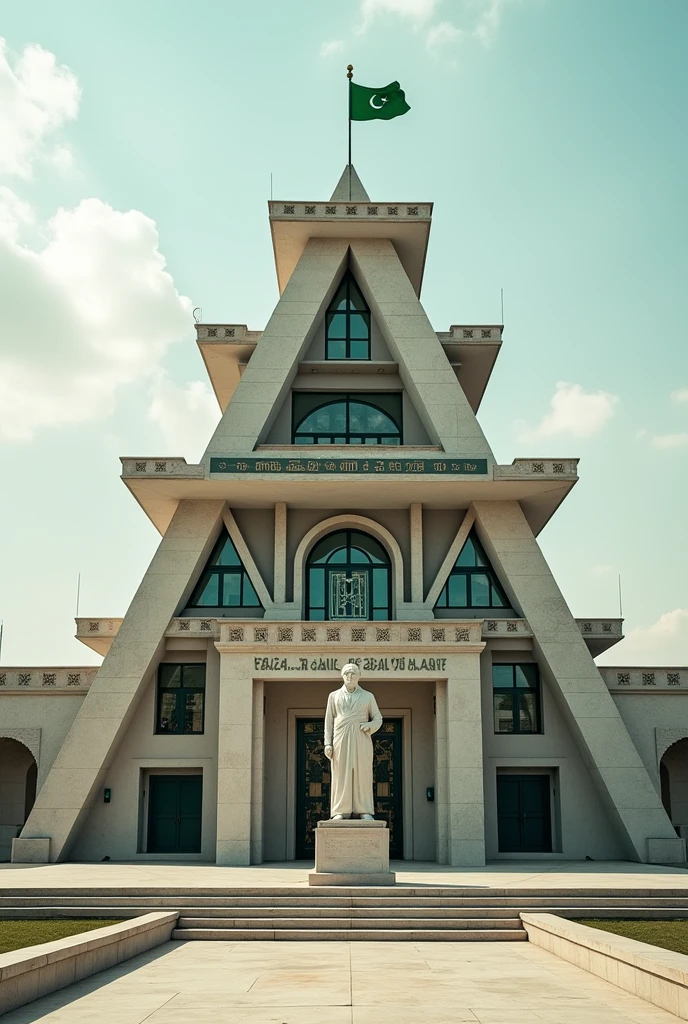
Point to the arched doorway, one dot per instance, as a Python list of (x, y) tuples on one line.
[(18, 773), (673, 774)]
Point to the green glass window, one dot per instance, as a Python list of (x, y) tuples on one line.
[(224, 582), (337, 418), (516, 698), (181, 699), (348, 577), (472, 583), (347, 324)]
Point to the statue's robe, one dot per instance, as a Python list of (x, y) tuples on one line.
[(352, 757)]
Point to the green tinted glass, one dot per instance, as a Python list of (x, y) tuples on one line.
[(503, 675)]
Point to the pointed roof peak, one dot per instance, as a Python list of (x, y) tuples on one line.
[(349, 188)]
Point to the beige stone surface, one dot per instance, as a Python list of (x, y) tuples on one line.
[(622, 780), (352, 847), (423, 367), (659, 976), (91, 744), (343, 983), (34, 971), (505, 874)]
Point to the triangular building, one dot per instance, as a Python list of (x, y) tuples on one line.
[(348, 507)]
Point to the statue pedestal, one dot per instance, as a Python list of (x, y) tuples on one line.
[(352, 852)]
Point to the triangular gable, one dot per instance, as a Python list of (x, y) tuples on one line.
[(472, 582), (267, 379), (224, 582), (424, 369), (425, 372), (230, 577)]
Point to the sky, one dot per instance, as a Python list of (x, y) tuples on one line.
[(138, 143)]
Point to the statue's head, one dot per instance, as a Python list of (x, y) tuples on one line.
[(351, 674)]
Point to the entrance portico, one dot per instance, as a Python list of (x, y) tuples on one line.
[(428, 677)]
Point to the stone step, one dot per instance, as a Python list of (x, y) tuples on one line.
[(393, 900), (351, 934), (471, 913), (403, 913), (330, 923), (399, 891)]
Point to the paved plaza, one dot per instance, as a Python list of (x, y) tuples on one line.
[(534, 874), (342, 983)]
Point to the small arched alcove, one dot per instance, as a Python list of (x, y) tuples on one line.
[(673, 774), (18, 772)]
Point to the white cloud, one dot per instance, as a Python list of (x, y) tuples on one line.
[(187, 416), (90, 311), (413, 10), (603, 569), (333, 46), (670, 440), (681, 395), (442, 34), (573, 412), (37, 97), (482, 18), (665, 642), (62, 159), (14, 214), (489, 21)]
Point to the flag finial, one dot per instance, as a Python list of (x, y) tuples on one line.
[(349, 70)]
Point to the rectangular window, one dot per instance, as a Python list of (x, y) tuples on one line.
[(180, 704), (516, 698)]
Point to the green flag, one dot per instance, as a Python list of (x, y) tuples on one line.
[(377, 104)]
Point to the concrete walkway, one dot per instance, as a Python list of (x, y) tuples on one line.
[(556, 874), (342, 983)]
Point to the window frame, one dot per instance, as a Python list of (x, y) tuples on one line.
[(221, 571), (348, 566), (333, 311), (180, 692), (348, 398), (467, 572), (514, 690)]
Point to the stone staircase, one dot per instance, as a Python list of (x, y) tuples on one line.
[(426, 913)]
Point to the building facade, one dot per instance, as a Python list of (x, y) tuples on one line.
[(348, 508)]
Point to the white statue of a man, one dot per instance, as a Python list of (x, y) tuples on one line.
[(351, 718)]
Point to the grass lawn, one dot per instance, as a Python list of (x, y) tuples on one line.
[(17, 934), (667, 934)]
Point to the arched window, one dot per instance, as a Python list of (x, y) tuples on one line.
[(347, 419), (348, 577), (347, 324)]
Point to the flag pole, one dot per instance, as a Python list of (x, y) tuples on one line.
[(349, 75)]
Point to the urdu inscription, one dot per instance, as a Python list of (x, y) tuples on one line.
[(433, 467), (400, 664)]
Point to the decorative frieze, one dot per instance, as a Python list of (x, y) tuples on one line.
[(235, 334), (554, 468), (471, 334), (359, 633), (52, 680), (645, 680), (594, 628), (157, 467), (348, 210), (493, 628)]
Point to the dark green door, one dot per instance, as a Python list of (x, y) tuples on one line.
[(313, 783), (174, 813), (523, 814)]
